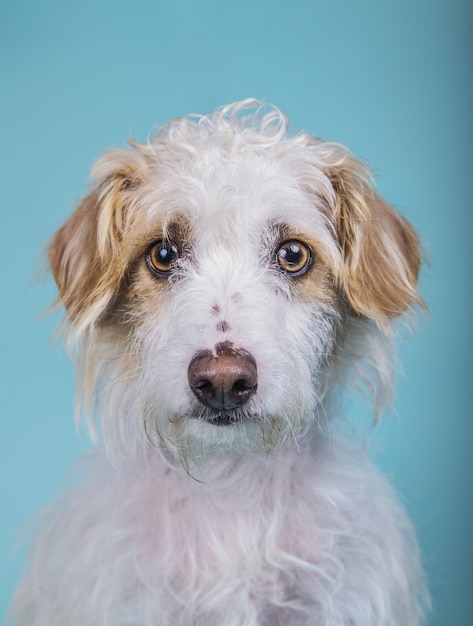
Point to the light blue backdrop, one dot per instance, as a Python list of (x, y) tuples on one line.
[(388, 78)]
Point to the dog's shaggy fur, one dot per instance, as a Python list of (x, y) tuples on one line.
[(223, 284)]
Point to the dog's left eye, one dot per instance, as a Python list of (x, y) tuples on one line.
[(162, 257), (294, 257)]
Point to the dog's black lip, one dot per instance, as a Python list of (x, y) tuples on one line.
[(222, 418)]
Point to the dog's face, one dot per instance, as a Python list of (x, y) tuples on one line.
[(212, 274)]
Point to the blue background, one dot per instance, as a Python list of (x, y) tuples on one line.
[(388, 78)]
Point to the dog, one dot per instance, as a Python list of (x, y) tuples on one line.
[(227, 285)]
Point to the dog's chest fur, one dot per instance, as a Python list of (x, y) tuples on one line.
[(267, 543)]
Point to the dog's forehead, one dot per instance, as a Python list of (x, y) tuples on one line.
[(239, 192)]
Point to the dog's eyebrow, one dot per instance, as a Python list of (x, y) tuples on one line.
[(279, 231), (177, 228)]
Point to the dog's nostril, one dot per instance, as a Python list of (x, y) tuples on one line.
[(240, 386), (223, 382), (204, 390)]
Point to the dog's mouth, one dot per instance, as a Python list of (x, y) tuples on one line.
[(228, 417)]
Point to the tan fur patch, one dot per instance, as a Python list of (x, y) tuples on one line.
[(381, 252), (89, 255)]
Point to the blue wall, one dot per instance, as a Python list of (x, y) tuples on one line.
[(388, 78)]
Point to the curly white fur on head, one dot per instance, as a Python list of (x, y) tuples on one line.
[(228, 189)]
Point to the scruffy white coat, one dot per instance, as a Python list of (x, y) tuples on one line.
[(267, 518)]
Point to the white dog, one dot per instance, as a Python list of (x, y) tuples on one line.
[(223, 284)]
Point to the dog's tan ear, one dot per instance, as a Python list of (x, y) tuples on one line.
[(380, 249), (86, 255)]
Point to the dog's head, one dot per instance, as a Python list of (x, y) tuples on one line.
[(217, 276)]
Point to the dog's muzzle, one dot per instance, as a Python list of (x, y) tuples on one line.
[(225, 381)]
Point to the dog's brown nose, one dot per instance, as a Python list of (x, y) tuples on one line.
[(225, 381)]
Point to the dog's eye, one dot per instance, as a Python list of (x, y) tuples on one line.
[(294, 257), (162, 257)]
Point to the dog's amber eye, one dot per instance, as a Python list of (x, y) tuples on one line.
[(162, 257), (294, 257)]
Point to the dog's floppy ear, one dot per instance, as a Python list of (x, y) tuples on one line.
[(380, 249), (86, 255)]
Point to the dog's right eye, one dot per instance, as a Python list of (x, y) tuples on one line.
[(162, 257)]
